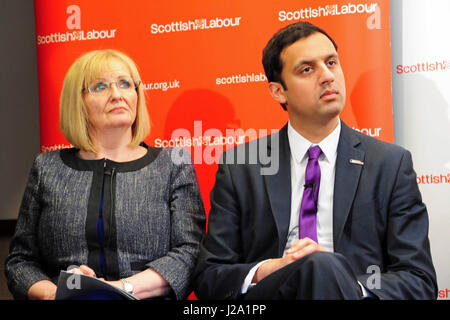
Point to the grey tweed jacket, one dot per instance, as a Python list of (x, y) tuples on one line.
[(153, 217)]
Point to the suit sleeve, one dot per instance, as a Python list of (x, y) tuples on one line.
[(220, 272), (187, 229), (24, 265), (409, 273)]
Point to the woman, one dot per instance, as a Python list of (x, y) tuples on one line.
[(119, 209)]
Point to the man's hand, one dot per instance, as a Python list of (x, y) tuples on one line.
[(298, 250), (303, 247)]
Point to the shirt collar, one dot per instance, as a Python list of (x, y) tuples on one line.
[(299, 145)]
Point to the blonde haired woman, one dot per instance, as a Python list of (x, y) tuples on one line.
[(119, 209)]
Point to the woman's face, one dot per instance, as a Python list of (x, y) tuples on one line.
[(111, 99)]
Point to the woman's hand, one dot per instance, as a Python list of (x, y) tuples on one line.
[(147, 283), (84, 269), (42, 290)]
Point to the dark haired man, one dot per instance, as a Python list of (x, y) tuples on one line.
[(342, 218)]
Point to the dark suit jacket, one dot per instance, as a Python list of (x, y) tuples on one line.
[(378, 219)]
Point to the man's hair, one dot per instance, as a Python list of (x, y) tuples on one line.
[(284, 37), (73, 116)]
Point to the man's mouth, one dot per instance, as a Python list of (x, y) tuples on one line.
[(329, 94)]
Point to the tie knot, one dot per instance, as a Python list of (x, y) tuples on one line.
[(314, 152)]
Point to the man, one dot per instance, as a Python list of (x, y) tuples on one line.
[(342, 218)]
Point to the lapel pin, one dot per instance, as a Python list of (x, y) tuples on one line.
[(354, 161)]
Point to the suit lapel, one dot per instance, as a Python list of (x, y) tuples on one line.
[(279, 186), (347, 176)]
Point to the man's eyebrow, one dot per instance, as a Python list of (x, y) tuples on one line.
[(312, 61)]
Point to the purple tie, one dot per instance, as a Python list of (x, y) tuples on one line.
[(308, 208)]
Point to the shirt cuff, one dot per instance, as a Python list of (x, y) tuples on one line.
[(248, 279), (366, 294)]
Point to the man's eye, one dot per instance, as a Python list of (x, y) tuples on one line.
[(125, 84), (306, 70), (99, 86), (332, 62)]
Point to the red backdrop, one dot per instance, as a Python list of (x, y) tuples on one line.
[(201, 61)]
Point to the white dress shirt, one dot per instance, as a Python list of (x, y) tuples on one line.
[(327, 161), (299, 159)]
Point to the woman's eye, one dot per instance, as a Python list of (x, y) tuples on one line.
[(100, 86), (124, 84)]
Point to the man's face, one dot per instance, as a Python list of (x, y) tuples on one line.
[(315, 85)]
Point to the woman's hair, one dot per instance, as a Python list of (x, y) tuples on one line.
[(73, 117)]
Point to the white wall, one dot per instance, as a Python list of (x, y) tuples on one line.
[(421, 102)]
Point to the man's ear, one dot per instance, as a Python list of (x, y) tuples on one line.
[(277, 92)]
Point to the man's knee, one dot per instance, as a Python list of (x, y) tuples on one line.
[(323, 260), (324, 265), (321, 275), (330, 274)]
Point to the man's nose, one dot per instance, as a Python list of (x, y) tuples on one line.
[(327, 76)]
